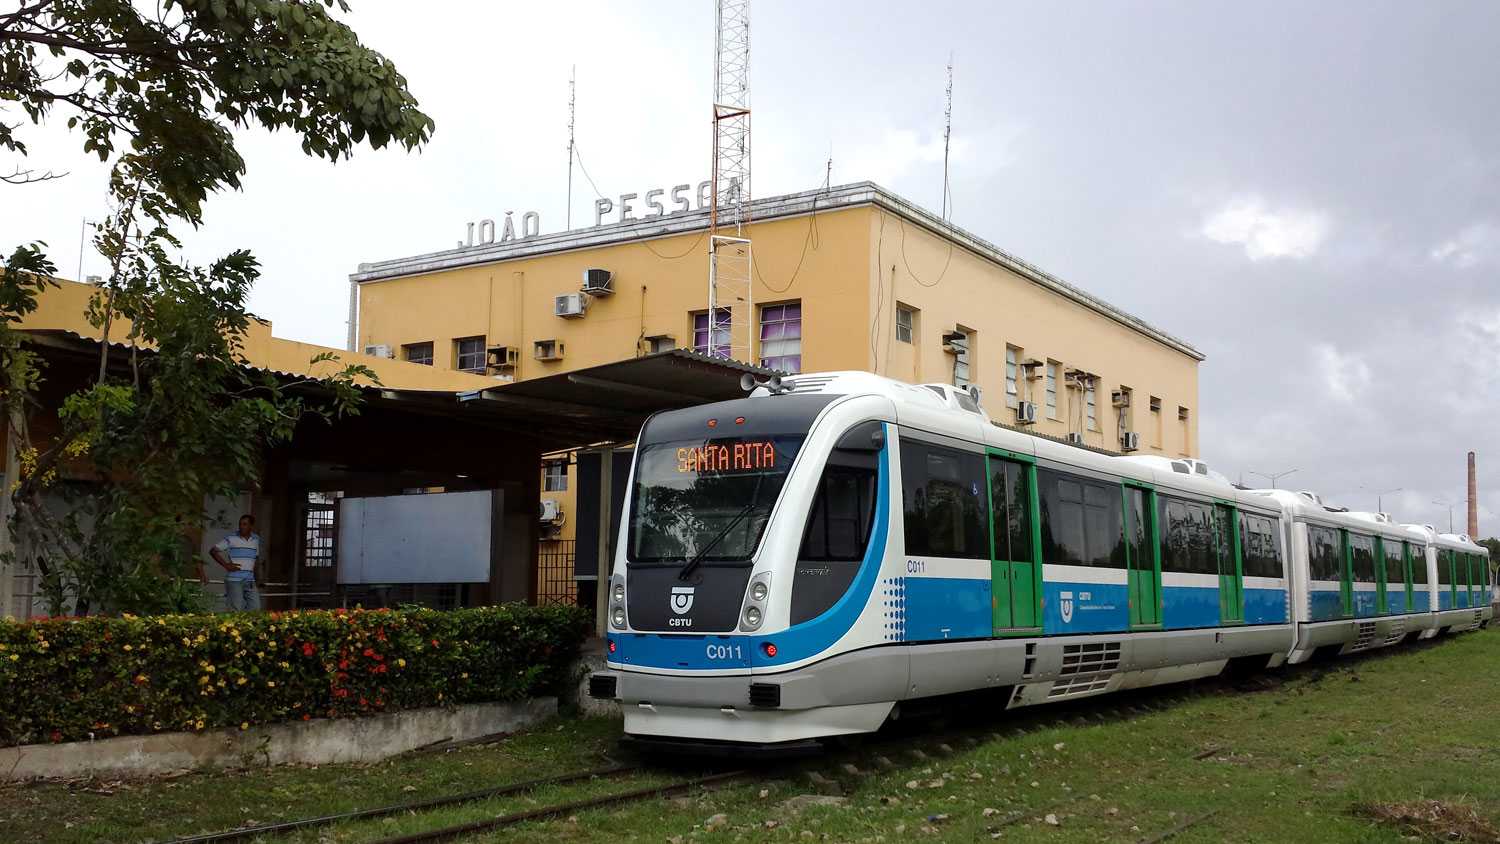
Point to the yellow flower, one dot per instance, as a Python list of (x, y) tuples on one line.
[(129, 648), (260, 654), (186, 642), (240, 682), (464, 675), (244, 725), (270, 684), (209, 668), (221, 682), (44, 644), (14, 657), (203, 681), (140, 678), (127, 616), (440, 695), (199, 725), (285, 664), (400, 663)]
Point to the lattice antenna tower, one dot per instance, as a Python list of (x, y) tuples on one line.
[(730, 269)]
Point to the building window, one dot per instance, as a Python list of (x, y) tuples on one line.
[(1052, 369), (956, 343), (781, 337), (1182, 422), (905, 323), (1155, 422), (555, 476), (720, 333), (660, 343), (1091, 403), (417, 353), (468, 354), (1012, 372)]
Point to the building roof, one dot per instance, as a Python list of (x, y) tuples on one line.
[(768, 208)]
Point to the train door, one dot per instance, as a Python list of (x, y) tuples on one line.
[(1346, 588), (1381, 602), (1142, 543), (1410, 576), (1014, 543), (1231, 573), (1460, 578)]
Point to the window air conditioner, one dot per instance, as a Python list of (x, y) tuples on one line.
[(570, 305), (597, 282), (1026, 413), (1075, 438), (551, 511), (503, 357), (547, 350), (380, 351), (1130, 441), (1119, 398), (955, 342)]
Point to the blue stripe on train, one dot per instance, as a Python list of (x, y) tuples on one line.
[(1366, 604), (1266, 606), (1326, 604), (1420, 600), (1185, 607), (947, 608), (1084, 607)]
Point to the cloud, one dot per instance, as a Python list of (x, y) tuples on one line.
[(1344, 375), (1265, 232), (1473, 245)]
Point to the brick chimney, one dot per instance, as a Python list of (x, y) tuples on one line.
[(1473, 501)]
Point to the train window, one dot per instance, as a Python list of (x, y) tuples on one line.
[(1082, 523), (1395, 566), (1418, 564), (1325, 560), (1445, 566), (1259, 548), (1010, 510), (1362, 557), (839, 526), (1187, 537), (942, 501)]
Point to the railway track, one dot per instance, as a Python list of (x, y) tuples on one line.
[(837, 772)]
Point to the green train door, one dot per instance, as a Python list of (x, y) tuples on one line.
[(1381, 603), (1461, 579), (1406, 558), (1346, 585), (1142, 560), (1014, 543), (1231, 577)]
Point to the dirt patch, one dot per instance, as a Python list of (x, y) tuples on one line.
[(1433, 820)]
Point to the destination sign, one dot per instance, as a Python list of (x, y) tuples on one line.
[(749, 456)]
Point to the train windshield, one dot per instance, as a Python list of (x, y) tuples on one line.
[(708, 497)]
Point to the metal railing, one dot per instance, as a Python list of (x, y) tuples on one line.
[(554, 570)]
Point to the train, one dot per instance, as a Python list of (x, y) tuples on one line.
[(798, 565)]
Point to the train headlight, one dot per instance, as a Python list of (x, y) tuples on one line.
[(618, 617), (758, 592), (752, 617), (619, 591)]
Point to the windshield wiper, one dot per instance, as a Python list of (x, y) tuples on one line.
[(697, 560)]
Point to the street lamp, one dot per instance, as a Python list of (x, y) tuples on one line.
[(1449, 504), (1380, 497), (1273, 476)]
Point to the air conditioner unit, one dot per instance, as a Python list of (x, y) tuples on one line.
[(551, 511), (597, 282), (380, 351), (1026, 413), (547, 350), (503, 357), (1120, 398), (570, 305), (1130, 441), (1075, 438), (955, 342)]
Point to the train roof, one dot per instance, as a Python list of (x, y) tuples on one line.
[(952, 411)]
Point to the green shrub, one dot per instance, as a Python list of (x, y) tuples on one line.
[(65, 679)]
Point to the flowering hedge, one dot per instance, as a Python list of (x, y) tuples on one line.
[(64, 679)]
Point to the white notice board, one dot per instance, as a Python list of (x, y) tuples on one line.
[(436, 538)]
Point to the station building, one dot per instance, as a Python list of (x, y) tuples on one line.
[(852, 277)]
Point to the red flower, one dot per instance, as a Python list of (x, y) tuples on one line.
[(56, 736), (369, 651), (363, 702), (307, 716), (344, 664), (434, 643), (307, 649)]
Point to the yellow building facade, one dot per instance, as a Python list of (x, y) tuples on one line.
[(846, 278)]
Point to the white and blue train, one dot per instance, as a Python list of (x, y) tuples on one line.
[(801, 563)]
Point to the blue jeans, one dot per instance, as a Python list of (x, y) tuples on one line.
[(239, 591)]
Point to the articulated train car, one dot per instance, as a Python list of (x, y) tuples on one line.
[(797, 564)]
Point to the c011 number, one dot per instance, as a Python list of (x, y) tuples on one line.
[(724, 652)]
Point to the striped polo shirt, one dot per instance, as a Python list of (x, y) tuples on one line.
[(241, 551)]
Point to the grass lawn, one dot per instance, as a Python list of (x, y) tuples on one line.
[(1310, 759)]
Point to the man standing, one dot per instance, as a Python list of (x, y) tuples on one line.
[(238, 554)]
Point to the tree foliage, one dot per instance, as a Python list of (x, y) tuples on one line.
[(157, 90), (175, 78)]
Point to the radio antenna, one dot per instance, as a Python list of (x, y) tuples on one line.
[(572, 92), (947, 133)]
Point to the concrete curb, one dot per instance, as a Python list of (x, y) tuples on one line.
[(317, 742)]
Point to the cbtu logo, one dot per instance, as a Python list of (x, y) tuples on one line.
[(682, 599), (1065, 600)]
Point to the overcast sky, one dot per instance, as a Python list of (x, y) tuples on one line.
[(1306, 192)]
